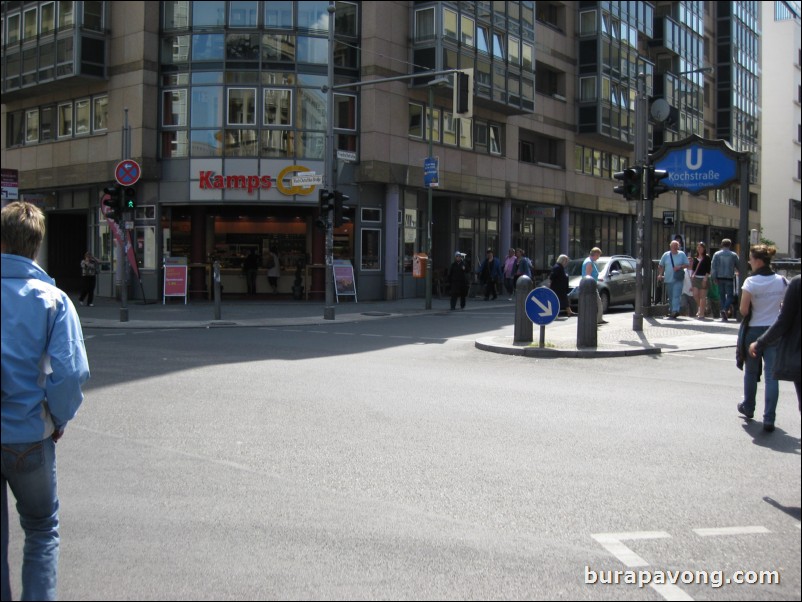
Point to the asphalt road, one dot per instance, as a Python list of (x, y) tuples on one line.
[(393, 460)]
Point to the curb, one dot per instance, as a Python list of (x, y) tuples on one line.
[(549, 352)]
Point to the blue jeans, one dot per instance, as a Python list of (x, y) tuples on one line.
[(726, 290), (751, 372), (29, 469), (674, 292)]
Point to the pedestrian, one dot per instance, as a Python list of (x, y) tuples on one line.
[(490, 274), (590, 269), (510, 266), (559, 284), (785, 332), (273, 269), (761, 297), (524, 265), (671, 270), (458, 279), (723, 269), (250, 266), (43, 367), (89, 265), (699, 279), (687, 301)]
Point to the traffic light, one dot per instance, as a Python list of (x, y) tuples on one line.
[(129, 195), (653, 186), (630, 186), (341, 209), (324, 204), (111, 203), (463, 93)]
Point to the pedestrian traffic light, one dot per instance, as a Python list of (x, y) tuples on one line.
[(110, 203), (341, 210), (129, 195), (653, 186), (630, 186)]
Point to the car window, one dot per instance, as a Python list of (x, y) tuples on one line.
[(627, 266), (614, 266)]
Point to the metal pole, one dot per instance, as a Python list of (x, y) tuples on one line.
[(124, 232), (743, 226), (641, 159), (429, 206), (331, 169)]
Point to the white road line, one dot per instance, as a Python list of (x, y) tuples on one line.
[(730, 531), (612, 542), (115, 334)]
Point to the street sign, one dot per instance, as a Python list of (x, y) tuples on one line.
[(349, 156), (696, 164), (542, 305), (127, 172), (668, 218), (307, 180), (431, 178)]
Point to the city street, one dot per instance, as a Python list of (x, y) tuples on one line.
[(391, 459)]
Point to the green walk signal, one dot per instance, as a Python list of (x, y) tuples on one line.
[(631, 187)]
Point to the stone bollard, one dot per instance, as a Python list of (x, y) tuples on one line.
[(586, 328), (523, 325)]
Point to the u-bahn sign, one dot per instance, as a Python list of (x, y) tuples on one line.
[(696, 164)]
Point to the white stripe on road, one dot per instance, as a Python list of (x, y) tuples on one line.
[(730, 531), (612, 542)]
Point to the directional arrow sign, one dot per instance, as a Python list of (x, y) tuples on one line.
[(542, 306)]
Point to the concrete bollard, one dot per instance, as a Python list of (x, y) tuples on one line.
[(523, 325), (586, 328)]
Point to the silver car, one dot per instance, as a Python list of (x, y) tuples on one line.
[(616, 280)]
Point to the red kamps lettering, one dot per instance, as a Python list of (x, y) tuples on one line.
[(209, 180)]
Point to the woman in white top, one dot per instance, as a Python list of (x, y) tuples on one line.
[(761, 294)]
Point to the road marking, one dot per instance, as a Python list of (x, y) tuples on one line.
[(730, 531), (612, 542)]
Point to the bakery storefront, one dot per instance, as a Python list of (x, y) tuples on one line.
[(234, 207)]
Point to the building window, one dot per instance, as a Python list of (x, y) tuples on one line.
[(241, 106), (278, 15), (313, 15), (176, 14), (345, 112), (29, 24), (208, 13), (47, 23), (46, 118), (587, 89), (66, 15), (449, 24), (465, 133), (65, 120), (242, 13), (206, 109), (415, 128), (370, 259), (424, 24), (93, 16), (82, 117), (278, 47), (277, 110), (100, 113), (467, 31), (208, 46), (12, 35), (32, 126), (495, 139), (174, 108)]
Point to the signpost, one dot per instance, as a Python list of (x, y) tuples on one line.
[(542, 307), (127, 172)]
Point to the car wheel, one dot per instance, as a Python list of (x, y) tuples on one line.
[(605, 297)]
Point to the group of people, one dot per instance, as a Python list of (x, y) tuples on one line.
[(491, 275), (251, 265)]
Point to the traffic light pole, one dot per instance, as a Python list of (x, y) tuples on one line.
[(641, 159), (331, 172)]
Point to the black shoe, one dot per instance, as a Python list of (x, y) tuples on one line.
[(603, 322), (768, 427), (749, 415), (723, 315)]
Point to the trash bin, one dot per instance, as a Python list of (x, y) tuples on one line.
[(419, 265)]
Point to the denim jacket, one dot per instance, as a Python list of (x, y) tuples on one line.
[(44, 360)]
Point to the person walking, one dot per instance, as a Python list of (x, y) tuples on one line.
[(761, 296), (723, 269), (273, 269), (44, 365), (786, 333), (699, 279), (490, 274), (89, 265), (510, 266), (250, 266), (458, 279), (524, 265), (559, 284), (671, 270), (590, 269)]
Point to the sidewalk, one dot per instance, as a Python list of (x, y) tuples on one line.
[(615, 339)]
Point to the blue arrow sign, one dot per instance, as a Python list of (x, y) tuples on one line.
[(542, 306), (696, 164)]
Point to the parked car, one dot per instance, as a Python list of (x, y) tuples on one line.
[(616, 280)]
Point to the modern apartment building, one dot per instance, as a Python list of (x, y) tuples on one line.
[(781, 127), (225, 103)]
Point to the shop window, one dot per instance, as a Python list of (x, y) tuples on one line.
[(370, 259), (278, 14), (242, 106), (371, 214)]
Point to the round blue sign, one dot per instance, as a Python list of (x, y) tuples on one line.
[(542, 305)]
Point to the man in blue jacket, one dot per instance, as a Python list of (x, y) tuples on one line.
[(44, 366), (490, 274)]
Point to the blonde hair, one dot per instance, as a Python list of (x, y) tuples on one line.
[(763, 252), (23, 229), (562, 260), (595, 250)]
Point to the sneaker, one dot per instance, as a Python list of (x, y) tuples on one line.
[(768, 427), (749, 415), (723, 315), (91, 305), (81, 302)]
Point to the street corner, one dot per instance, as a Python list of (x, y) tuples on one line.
[(506, 345)]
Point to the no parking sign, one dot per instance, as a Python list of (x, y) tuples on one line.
[(127, 172)]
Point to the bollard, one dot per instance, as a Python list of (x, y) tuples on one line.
[(586, 328), (523, 325), (216, 268)]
